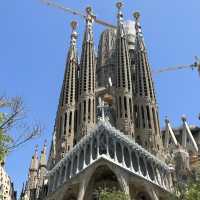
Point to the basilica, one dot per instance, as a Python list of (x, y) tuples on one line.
[(107, 132)]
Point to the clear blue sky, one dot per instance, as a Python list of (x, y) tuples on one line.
[(33, 44)]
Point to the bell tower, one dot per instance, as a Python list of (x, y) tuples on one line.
[(146, 117), (87, 80), (124, 101), (66, 115)]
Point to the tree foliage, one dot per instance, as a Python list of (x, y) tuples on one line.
[(113, 194), (14, 130), (189, 191)]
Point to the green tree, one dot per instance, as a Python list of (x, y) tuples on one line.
[(113, 194), (189, 191), (14, 130)]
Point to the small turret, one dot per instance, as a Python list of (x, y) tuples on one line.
[(43, 159), (34, 160)]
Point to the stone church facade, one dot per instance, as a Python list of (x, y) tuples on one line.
[(107, 132)]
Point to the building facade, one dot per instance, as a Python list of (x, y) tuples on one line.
[(107, 132), (7, 191)]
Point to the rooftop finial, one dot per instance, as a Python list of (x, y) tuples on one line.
[(74, 25), (119, 6), (90, 17), (184, 118), (166, 119), (88, 10), (45, 146), (136, 15), (36, 149), (90, 14)]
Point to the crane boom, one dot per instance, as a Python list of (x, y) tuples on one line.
[(75, 12), (172, 68), (61, 7), (196, 64)]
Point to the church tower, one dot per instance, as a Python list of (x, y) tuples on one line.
[(87, 80), (66, 115), (124, 101), (146, 116)]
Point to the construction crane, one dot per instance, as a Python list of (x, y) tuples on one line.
[(78, 13), (196, 65), (51, 3)]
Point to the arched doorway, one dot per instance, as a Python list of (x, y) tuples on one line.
[(102, 178)]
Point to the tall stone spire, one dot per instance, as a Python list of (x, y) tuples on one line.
[(146, 116), (87, 80), (43, 159), (124, 101), (42, 170), (33, 170), (66, 115)]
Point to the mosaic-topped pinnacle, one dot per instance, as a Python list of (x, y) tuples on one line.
[(36, 149), (88, 10), (136, 15), (74, 25), (183, 118), (166, 120), (119, 5)]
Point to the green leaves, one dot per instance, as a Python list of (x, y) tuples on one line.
[(193, 191), (112, 194)]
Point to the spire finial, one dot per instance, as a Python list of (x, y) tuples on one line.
[(88, 10), (136, 16), (74, 25), (166, 119), (119, 6), (44, 146), (90, 17), (36, 149), (183, 118)]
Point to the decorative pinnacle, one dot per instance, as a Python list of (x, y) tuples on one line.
[(183, 118), (166, 119), (36, 150), (136, 15), (88, 10), (74, 25), (90, 15), (45, 145), (119, 5)]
